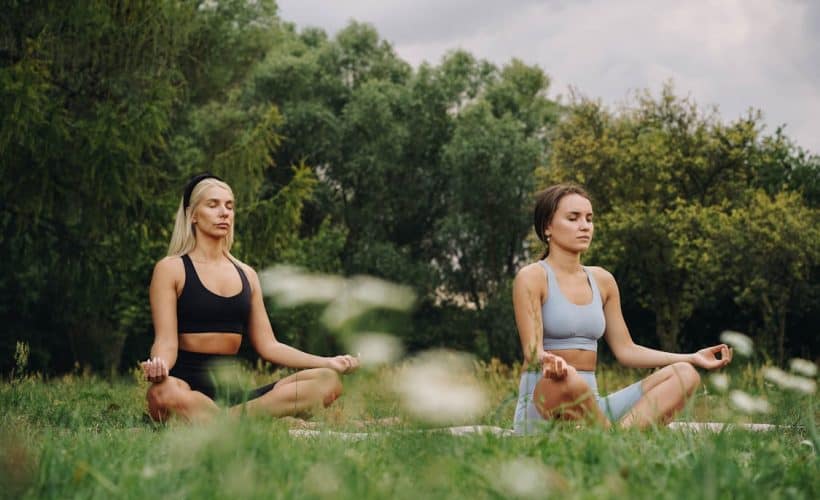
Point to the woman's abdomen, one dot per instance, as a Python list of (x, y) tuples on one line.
[(578, 358), (210, 343)]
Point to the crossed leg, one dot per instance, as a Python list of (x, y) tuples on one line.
[(570, 399), (295, 394), (173, 396), (665, 392)]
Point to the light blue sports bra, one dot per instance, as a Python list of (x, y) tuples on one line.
[(568, 325)]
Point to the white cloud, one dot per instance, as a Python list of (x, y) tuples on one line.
[(736, 54)]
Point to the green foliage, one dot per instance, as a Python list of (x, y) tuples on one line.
[(664, 176), (667, 258), (783, 165), (271, 224), (659, 150), (780, 238), (432, 166), (89, 92), (491, 162), (345, 159), (103, 104), (301, 326)]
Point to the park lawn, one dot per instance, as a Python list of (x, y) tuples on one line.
[(81, 436)]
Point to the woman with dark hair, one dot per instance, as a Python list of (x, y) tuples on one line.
[(562, 308), (203, 301)]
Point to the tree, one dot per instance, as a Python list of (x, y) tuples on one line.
[(667, 259), (662, 172), (491, 162), (104, 103), (422, 167), (772, 245), (86, 98)]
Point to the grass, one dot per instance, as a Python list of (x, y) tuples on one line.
[(81, 436)]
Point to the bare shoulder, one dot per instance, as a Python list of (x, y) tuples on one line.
[(600, 273), (170, 266), (169, 273), (532, 276), (245, 267), (253, 278), (531, 271), (605, 279)]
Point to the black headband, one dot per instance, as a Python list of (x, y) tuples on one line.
[(189, 188)]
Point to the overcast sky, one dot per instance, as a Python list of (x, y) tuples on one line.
[(734, 54)]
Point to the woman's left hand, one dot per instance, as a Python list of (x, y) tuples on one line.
[(155, 369), (707, 357), (344, 363)]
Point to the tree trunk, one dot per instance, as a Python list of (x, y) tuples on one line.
[(667, 327), (774, 311), (781, 336)]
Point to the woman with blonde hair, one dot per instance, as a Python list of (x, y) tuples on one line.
[(562, 308), (203, 302)]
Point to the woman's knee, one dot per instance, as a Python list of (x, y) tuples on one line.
[(160, 400), (166, 395), (574, 386), (688, 375), (156, 395), (331, 385), (570, 389)]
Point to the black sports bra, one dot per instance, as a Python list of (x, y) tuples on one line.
[(199, 310)]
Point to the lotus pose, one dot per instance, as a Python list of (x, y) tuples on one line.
[(203, 301), (563, 308)]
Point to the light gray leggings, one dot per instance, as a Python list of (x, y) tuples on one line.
[(614, 406)]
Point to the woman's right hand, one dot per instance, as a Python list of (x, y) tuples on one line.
[(343, 364), (553, 367), (155, 369)]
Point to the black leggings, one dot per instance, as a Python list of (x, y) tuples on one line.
[(198, 370)]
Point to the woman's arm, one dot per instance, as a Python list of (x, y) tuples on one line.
[(527, 307), (632, 355), (529, 290), (265, 343), (163, 296)]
